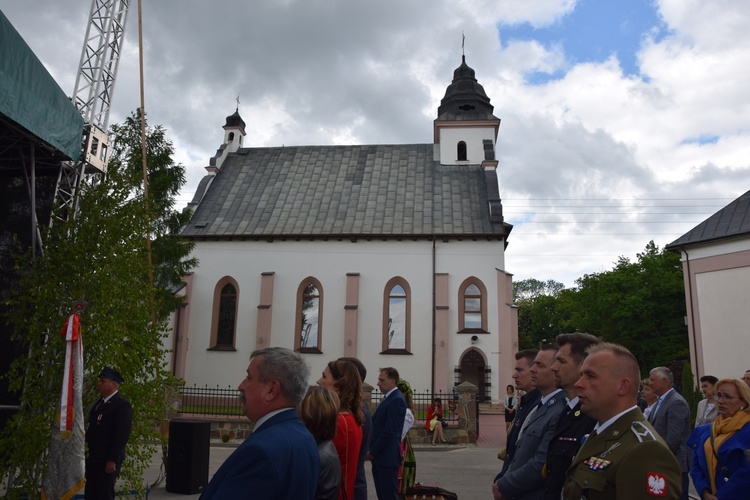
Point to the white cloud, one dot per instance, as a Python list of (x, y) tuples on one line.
[(538, 13), (332, 72)]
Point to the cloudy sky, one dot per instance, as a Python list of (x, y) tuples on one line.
[(622, 121)]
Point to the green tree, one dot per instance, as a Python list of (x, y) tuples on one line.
[(99, 257), (640, 305), (538, 316), (170, 253), (690, 391)]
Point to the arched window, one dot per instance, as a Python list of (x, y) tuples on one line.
[(397, 317), (472, 306), (308, 331), (461, 151), (224, 317)]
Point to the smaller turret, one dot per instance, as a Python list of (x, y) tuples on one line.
[(465, 128), (234, 131)]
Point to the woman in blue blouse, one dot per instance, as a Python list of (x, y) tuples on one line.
[(721, 467)]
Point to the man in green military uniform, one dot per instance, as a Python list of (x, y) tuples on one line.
[(623, 457)]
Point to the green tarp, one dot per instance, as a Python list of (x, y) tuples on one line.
[(30, 96)]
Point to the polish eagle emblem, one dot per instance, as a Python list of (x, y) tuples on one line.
[(657, 485)]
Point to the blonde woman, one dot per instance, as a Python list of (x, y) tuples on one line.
[(721, 468), (319, 411)]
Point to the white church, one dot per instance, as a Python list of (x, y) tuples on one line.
[(394, 254)]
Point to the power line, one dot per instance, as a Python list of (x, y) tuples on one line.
[(613, 199), (519, 222), (537, 212)]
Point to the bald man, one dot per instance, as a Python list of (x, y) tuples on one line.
[(623, 457)]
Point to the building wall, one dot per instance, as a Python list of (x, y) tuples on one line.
[(376, 262), (717, 289), (472, 136), (724, 310)]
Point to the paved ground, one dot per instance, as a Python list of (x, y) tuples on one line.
[(466, 471)]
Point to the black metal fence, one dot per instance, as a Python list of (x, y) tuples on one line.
[(422, 400), (218, 401), (210, 401)]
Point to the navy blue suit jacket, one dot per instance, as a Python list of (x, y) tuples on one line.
[(279, 460), (109, 429), (387, 424), (528, 401)]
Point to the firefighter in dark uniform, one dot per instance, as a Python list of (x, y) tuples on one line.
[(107, 433), (623, 458)]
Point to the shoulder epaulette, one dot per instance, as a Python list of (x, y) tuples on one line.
[(642, 432)]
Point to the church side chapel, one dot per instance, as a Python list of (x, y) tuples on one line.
[(394, 254)]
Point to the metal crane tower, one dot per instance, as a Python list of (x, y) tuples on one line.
[(95, 82)]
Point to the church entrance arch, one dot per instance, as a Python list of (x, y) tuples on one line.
[(473, 369)]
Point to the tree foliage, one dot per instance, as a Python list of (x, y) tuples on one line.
[(538, 317), (639, 304), (690, 391), (100, 257)]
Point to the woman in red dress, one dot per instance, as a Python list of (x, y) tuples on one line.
[(432, 423), (342, 377)]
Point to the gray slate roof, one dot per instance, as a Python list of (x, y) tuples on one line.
[(347, 191), (730, 222)]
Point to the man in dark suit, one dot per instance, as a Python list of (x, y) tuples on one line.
[(671, 419), (572, 424), (360, 482), (522, 379), (107, 433), (279, 460), (387, 424), (523, 479)]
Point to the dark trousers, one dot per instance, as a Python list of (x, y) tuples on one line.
[(99, 484), (386, 482)]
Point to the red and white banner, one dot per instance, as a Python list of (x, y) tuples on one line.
[(64, 475), (71, 332)]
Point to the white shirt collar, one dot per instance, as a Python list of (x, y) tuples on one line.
[(573, 402), (104, 400), (389, 392), (549, 396), (661, 398), (268, 415)]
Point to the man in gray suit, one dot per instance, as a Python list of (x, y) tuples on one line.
[(524, 478), (671, 420)]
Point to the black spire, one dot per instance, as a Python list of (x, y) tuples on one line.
[(465, 98), (235, 120)]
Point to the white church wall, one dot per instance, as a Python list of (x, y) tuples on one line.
[(329, 262)]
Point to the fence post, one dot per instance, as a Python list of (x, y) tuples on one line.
[(467, 412), (367, 394)]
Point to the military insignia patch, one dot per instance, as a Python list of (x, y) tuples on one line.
[(656, 484)]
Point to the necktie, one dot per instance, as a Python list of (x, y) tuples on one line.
[(652, 415), (528, 419)]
